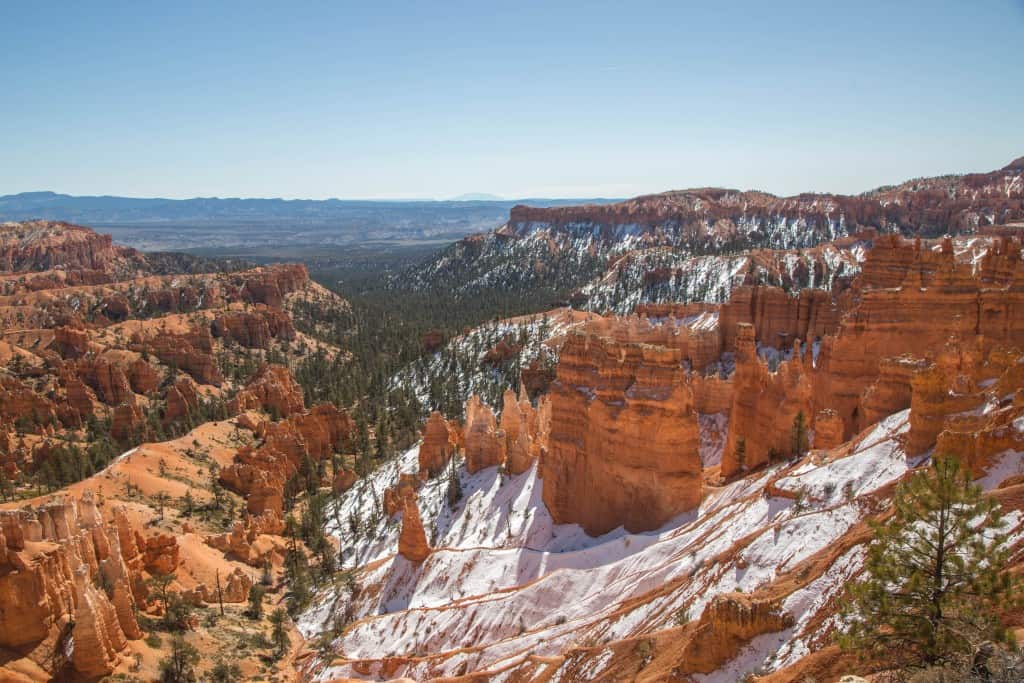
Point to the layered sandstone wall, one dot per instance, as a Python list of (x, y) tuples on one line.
[(928, 207), (847, 361), (623, 444), (911, 300)]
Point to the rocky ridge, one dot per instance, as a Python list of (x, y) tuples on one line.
[(693, 245)]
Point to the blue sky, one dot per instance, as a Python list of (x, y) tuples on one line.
[(359, 100)]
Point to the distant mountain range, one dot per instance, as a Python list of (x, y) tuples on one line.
[(205, 222)]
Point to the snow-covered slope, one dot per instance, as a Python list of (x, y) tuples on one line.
[(460, 368), (505, 584), (601, 275)]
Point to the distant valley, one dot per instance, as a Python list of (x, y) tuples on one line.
[(154, 224)]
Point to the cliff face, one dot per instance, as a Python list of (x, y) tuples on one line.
[(53, 560), (526, 430), (903, 285), (928, 207), (270, 285), (790, 371), (623, 429), (42, 245), (725, 625)]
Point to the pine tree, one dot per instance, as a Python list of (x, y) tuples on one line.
[(161, 500), (279, 631), (741, 454), (161, 586), (220, 594), (179, 665), (224, 671), (799, 434), (934, 581), (454, 490), (256, 593)]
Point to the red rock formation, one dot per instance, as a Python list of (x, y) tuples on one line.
[(42, 245), (189, 353), (20, 405), (623, 429), (439, 442), (80, 399), (272, 389), (900, 289), (412, 542), (254, 328), (51, 561), (97, 635), (115, 307), (243, 542), (395, 496), (765, 405), (928, 206), (70, 342), (500, 353), (236, 587), (257, 480), (518, 424), (828, 429), (106, 378), (726, 625), (160, 553), (890, 393), (261, 473), (778, 318), (127, 421), (143, 377), (484, 444), (958, 414), (270, 285), (182, 400), (535, 378)]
